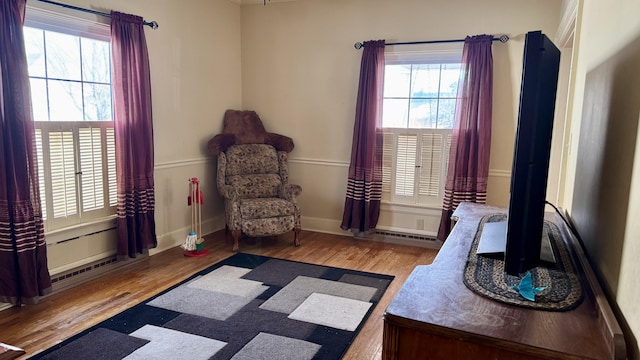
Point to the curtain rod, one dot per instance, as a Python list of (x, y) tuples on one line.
[(501, 38), (152, 24)]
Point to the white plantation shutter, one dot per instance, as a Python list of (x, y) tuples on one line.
[(40, 158), (63, 177), (415, 165), (111, 167), (76, 165), (387, 160), (431, 165), (447, 147), (405, 164), (90, 154)]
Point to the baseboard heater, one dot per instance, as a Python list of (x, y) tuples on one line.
[(402, 235), (404, 238), (69, 278)]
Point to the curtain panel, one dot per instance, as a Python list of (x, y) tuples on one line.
[(24, 275), (133, 135), (468, 169), (364, 185)]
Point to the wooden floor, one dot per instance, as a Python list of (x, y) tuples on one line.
[(63, 314)]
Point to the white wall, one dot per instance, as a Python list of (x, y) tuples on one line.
[(300, 73), (196, 72), (195, 60), (608, 40)]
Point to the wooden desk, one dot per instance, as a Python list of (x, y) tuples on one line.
[(435, 316)]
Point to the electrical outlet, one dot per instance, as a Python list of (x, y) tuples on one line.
[(420, 224)]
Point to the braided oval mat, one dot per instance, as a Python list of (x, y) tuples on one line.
[(485, 275)]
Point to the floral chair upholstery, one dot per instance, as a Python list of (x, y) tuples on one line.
[(259, 201), (254, 181)]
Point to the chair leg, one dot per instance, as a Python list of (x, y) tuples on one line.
[(236, 236), (296, 233)]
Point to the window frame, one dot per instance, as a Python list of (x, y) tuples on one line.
[(44, 17), (449, 54)]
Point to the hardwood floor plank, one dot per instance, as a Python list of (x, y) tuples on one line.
[(63, 314)]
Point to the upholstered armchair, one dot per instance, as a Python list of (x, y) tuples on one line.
[(253, 178)]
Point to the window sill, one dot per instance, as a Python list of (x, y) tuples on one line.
[(391, 206)]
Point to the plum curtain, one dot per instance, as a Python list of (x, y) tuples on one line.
[(24, 275), (133, 135), (364, 186), (469, 155)]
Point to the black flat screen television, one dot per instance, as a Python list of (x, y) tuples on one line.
[(541, 62), (521, 239)]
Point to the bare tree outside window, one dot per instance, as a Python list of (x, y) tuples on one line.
[(70, 76), (420, 96), (96, 69)]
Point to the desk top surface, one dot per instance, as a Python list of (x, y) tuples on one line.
[(435, 299)]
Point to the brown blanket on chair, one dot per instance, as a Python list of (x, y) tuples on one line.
[(245, 127)]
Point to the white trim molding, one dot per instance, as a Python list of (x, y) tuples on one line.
[(567, 26), (85, 229), (260, 2), (181, 163), (175, 238), (499, 173), (323, 225), (319, 162), (343, 164), (402, 208)]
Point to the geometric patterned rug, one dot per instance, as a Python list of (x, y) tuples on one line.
[(244, 307)]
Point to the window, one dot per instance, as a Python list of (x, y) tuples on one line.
[(70, 78), (418, 112)]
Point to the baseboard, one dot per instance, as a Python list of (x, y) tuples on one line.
[(387, 235), (175, 238), (322, 225)]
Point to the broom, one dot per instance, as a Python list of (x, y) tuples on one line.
[(194, 245)]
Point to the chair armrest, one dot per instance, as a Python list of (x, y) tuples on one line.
[(228, 192), (225, 190), (290, 191)]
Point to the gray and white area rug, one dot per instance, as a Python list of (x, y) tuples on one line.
[(244, 307)]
